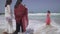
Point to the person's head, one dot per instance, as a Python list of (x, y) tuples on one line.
[(8, 2), (48, 11), (18, 2)]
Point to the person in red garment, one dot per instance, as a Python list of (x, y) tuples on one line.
[(21, 16), (48, 18)]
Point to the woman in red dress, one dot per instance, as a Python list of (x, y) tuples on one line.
[(48, 18)]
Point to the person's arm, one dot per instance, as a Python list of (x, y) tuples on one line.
[(8, 8), (26, 15), (14, 12)]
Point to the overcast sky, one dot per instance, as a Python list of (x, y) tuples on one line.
[(36, 6)]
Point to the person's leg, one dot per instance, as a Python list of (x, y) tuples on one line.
[(17, 28), (22, 27), (10, 26)]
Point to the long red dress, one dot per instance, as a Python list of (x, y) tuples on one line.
[(48, 19), (21, 12)]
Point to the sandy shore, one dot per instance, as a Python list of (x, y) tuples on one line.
[(1, 31)]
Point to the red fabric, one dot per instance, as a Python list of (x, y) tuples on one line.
[(48, 20), (25, 20), (21, 12)]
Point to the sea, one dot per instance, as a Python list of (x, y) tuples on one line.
[(36, 20)]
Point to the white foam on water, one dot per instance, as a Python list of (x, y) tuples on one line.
[(36, 25), (43, 14)]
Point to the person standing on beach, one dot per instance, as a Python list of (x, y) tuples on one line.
[(48, 20), (8, 16), (21, 16)]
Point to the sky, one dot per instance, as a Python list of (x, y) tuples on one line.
[(35, 6)]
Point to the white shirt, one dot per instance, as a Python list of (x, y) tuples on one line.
[(7, 11)]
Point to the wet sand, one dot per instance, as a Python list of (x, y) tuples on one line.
[(1, 31)]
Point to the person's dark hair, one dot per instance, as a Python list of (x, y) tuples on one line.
[(8, 2), (17, 3), (48, 11)]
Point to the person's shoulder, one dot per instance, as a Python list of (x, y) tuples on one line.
[(8, 5), (21, 5)]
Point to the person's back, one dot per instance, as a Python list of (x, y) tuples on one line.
[(7, 11), (19, 12)]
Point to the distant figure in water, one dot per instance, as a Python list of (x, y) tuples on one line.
[(48, 18)]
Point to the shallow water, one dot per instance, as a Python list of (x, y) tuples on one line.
[(36, 21)]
